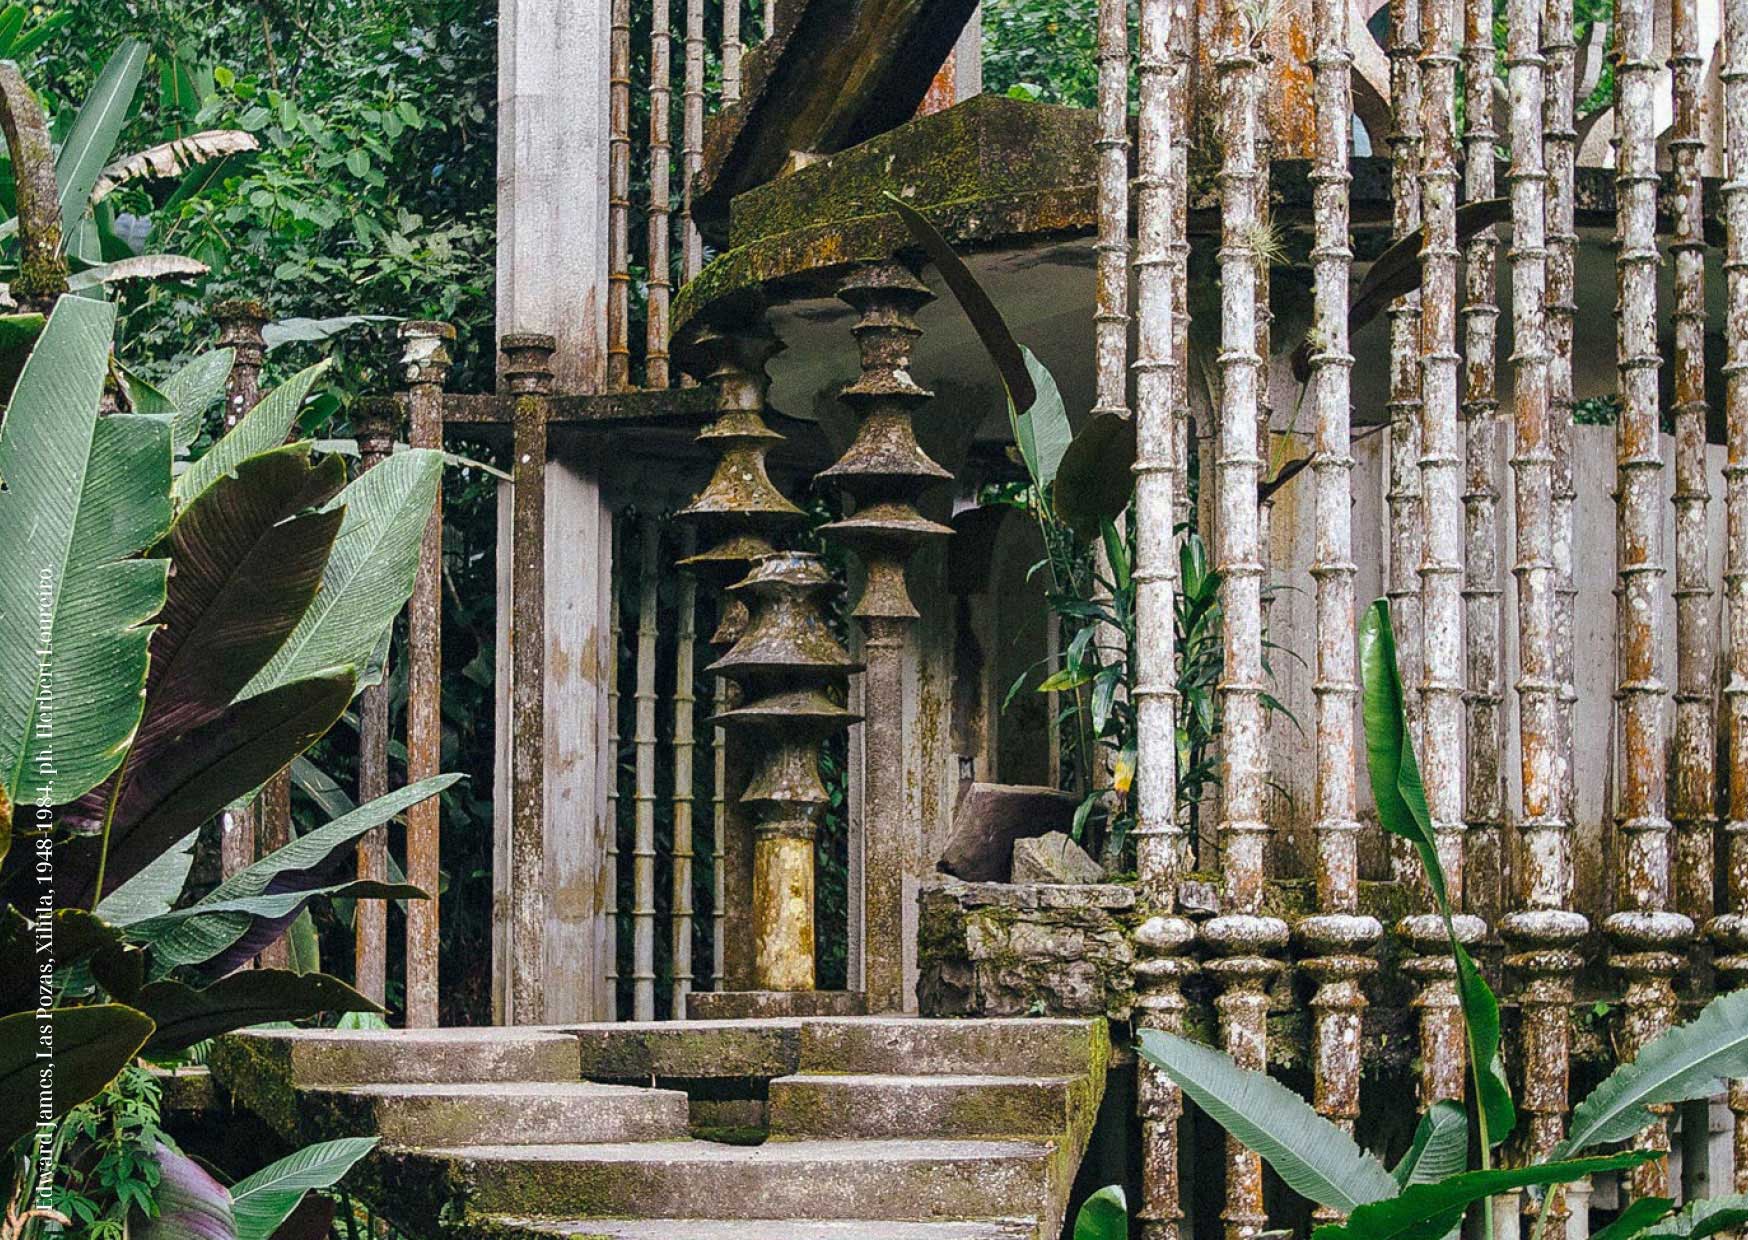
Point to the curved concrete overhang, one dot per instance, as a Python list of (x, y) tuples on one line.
[(1011, 185)]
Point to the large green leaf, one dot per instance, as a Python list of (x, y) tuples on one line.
[(1401, 802), (89, 1045), (185, 1015), (248, 559), (1103, 1216), (191, 1204), (1440, 1148), (153, 890), (1430, 1211), (95, 130), (192, 390), (83, 497), (369, 577), (213, 766), (266, 1199), (1315, 1158), (274, 888), (1687, 1062), (1704, 1217), (1041, 431), (1636, 1218), (1094, 482), (262, 428)]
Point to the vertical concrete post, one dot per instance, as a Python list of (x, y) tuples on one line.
[(374, 422), (425, 367)]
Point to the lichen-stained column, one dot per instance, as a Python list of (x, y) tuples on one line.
[(737, 514), (1177, 174), (1244, 938), (1647, 938), (785, 663), (374, 422), (1441, 565), (240, 323), (1337, 938), (1541, 931), (1484, 785), (425, 367), (610, 865), (661, 73), (1406, 512), (619, 199), (884, 471), (1730, 930), (692, 136), (1161, 945), (685, 698), (731, 49), (643, 744), (1560, 152), (1159, 198), (527, 374), (1160, 942), (1111, 311), (1695, 773)]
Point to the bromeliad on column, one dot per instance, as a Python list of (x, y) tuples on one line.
[(1337, 937), (885, 471), (1242, 936), (1648, 938)]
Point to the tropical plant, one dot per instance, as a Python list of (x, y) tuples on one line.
[(1427, 1194), (136, 703)]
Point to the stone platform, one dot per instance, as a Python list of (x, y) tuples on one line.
[(879, 1128)]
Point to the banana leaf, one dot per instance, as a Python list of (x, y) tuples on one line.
[(261, 429), (1705, 1217), (185, 1015), (96, 129), (90, 1044), (1440, 1147)]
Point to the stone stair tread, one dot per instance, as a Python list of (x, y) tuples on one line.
[(492, 1089), (774, 1229), (682, 1152), (924, 1046), (961, 1079)]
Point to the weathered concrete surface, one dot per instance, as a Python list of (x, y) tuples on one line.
[(991, 818), (764, 1229), (836, 1105), (500, 1113), (998, 949), (783, 1179), (1054, 858), (918, 1046), (743, 1005), (692, 1050)]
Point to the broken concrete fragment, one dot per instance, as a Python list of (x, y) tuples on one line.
[(988, 821), (1054, 858)]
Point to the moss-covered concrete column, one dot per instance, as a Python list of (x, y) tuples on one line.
[(786, 662), (884, 472)]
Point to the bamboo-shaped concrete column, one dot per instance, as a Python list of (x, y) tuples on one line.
[(737, 514), (1695, 774), (731, 50), (527, 376), (240, 323), (1160, 942), (425, 367), (610, 862), (884, 471), (1542, 932), (786, 664), (619, 197), (1484, 783), (375, 419), (659, 282), (1337, 937), (1407, 517), (1111, 304), (1648, 938), (1441, 567), (1242, 936), (692, 136), (1177, 244), (643, 744), (685, 698), (1730, 930)]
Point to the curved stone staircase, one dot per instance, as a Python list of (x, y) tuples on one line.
[(877, 1128)]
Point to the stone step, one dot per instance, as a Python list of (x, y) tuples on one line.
[(312, 1058), (914, 1180), (499, 1114), (763, 1229), (912, 1046), (875, 1106)]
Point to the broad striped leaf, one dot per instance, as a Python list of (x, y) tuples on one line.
[(95, 131), (264, 427)]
